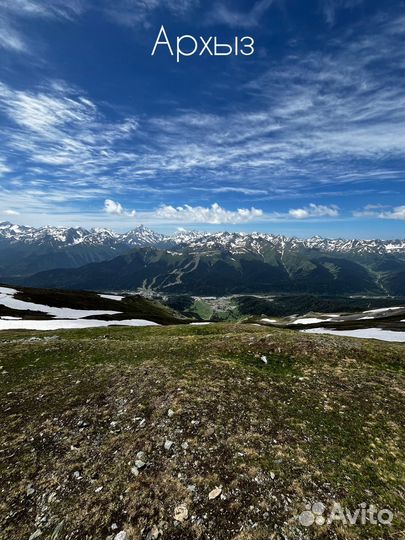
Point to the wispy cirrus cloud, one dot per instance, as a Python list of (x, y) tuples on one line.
[(138, 12), (43, 8), (15, 12), (10, 37), (331, 7), (223, 13)]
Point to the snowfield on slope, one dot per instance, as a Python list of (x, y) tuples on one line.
[(8, 300), (365, 333), (61, 324)]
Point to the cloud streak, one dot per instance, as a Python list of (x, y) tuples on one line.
[(371, 211), (314, 210), (224, 14)]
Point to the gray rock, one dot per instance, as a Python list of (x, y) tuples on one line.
[(168, 444), (122, 535)]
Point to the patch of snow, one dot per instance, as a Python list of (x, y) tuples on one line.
[(268, 320), (199, 323), (60, 324), (383, 309), (7, 290), (364, 333), (111, 297), (10, 318), (308, 320)]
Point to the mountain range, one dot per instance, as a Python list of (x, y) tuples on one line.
[(198, 263)]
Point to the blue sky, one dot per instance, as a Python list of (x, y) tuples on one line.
[(304, 137)]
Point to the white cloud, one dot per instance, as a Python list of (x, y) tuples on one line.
[(314, 210), (11, 213), (371, 211), (116, 209), (214, 214)]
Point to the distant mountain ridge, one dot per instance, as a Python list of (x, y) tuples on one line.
[(199, 263), (144, 237)]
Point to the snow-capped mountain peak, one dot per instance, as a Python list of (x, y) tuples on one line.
[(142, 236)]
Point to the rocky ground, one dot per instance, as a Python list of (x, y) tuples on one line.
[(205, 432)]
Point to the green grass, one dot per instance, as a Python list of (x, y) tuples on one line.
[(322, 421), (202, 309)]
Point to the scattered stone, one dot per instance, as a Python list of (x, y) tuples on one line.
[(181, 513), (141, 455), (35, 534), (191, 487), (216, 492), (97, 490), (263, 359), (142, 423), (122, 535), (170, 413), (153, 533), (272, 475), (135, 470), (184, 445), (168, 444), (210, 431), (30, 490), (139, 464), (114, 526)]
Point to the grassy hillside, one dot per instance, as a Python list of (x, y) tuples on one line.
[(219, 272), (322, 421)]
